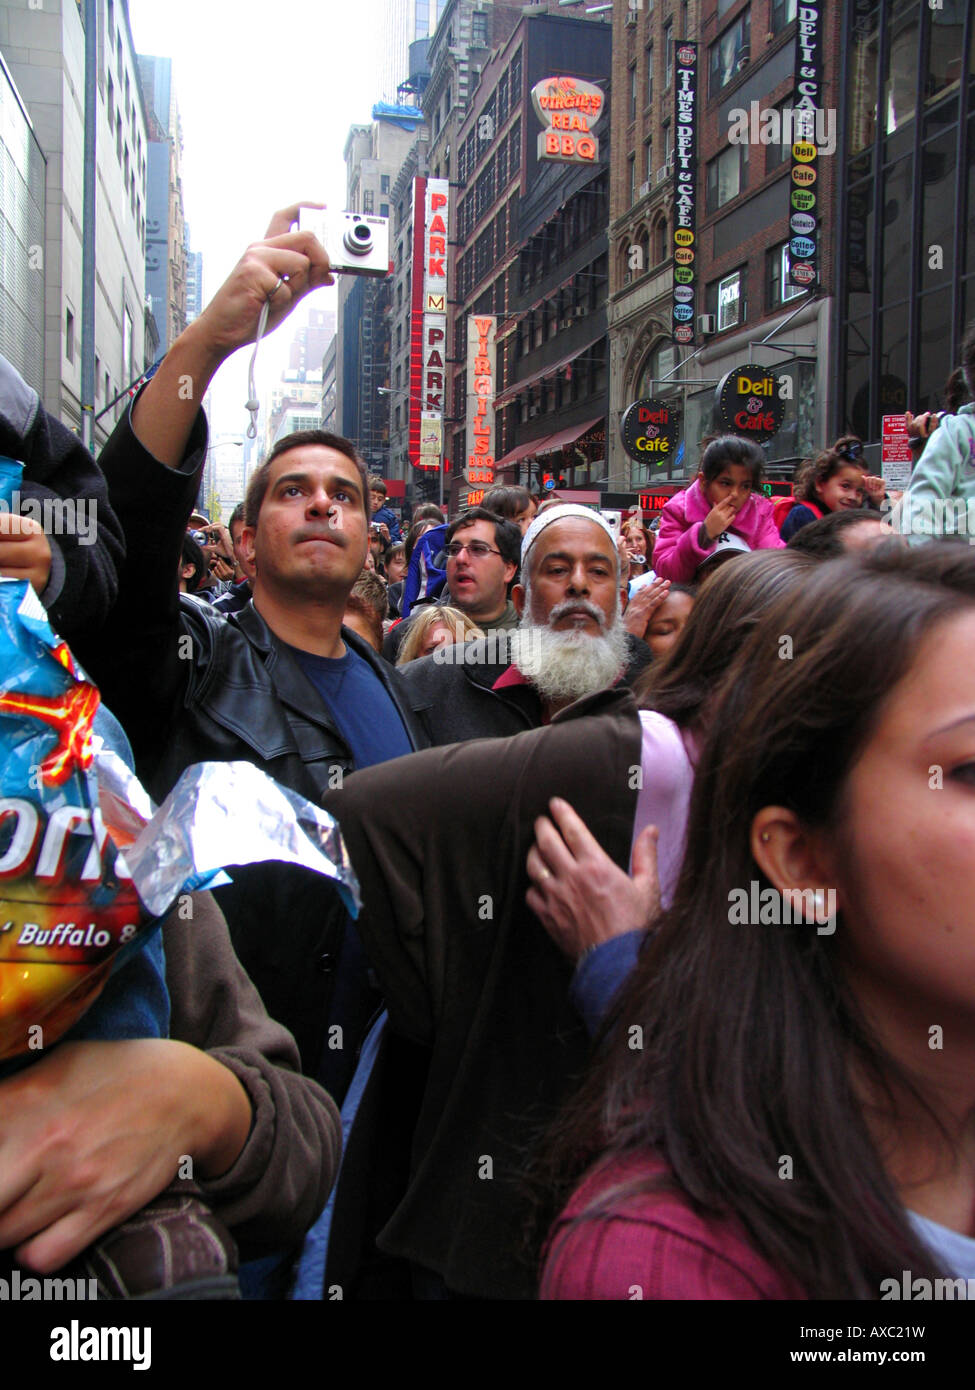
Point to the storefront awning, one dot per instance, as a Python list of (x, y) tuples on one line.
[(569, 436), (521, 451), (548, 444), (516, 387)]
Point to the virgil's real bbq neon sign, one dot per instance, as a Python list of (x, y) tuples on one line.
[(569, 109), (685, 193), (481, 331), (428, 321)]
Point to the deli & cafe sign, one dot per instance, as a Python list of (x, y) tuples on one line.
[(751, 401), (649, 431)]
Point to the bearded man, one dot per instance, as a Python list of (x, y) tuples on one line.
[(570, 641)]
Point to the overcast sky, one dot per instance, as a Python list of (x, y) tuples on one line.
[(267, 90)]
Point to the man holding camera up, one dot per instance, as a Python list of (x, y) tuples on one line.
[(281, 683)]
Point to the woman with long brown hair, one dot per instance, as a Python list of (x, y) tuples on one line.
[(783, 1106)]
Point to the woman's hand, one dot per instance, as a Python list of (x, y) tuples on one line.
[(578, 894), (94, 1130), (643, 605)]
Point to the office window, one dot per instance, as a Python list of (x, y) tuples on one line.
[(729, 55), (727, 176), (631, 165), (779, 151), (633, 92), (668, 54), (648, 160), (69, 335), (127, 373), (649, 73), (479, 30), (383, 209), (778, 290), (727, 299), (384, 183), (367, 202), (783, 13)]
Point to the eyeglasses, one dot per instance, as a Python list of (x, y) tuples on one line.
[(852, 451), (478, 549)]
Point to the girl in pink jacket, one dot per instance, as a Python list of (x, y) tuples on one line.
[(722, 498)]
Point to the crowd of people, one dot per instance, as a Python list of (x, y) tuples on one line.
[(663, 979)]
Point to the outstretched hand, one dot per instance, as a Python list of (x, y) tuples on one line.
[(281, 269)]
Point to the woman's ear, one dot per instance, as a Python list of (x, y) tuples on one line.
[(793, 859)]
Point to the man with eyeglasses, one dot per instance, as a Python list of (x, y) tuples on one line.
[(482, 553)]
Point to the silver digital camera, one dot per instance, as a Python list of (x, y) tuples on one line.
[(357, 245)]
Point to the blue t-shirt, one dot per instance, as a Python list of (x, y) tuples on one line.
[(360, 705)]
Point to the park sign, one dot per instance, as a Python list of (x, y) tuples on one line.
[(649, 430), (751, 401)]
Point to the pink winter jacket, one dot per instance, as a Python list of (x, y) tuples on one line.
[(677, 551)]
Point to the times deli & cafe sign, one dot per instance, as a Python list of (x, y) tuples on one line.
[(649, 431), (569, 108), (751, 400)]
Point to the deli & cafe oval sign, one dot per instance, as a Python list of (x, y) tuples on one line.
[(749, 402), (649, 430)]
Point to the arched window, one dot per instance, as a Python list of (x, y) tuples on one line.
[(659, 240)]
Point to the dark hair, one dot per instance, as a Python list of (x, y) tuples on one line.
[(847, 451), (192, 554), (728, 449), (753, 1044), (507, 537), (725, 611), (823, 537), (956, 392), (395, 550), (968, 358), (258, 485), (236, 515), (418, 529), (376, 484), (427, 510), (508, 502)]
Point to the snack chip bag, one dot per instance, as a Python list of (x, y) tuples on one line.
[(70, 908)]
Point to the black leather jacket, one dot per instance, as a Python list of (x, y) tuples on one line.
[(191, 685)]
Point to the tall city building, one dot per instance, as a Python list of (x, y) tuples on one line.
[(404, 22), (906, 281), (44, 50), (729, 273), (22, 194), (531, 169), (465, 35), (374, 155), (166, 241), (194, 281)]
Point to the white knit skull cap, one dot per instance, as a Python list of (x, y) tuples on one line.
[(561, 513)]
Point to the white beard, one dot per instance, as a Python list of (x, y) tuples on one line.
[(565, 666)]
